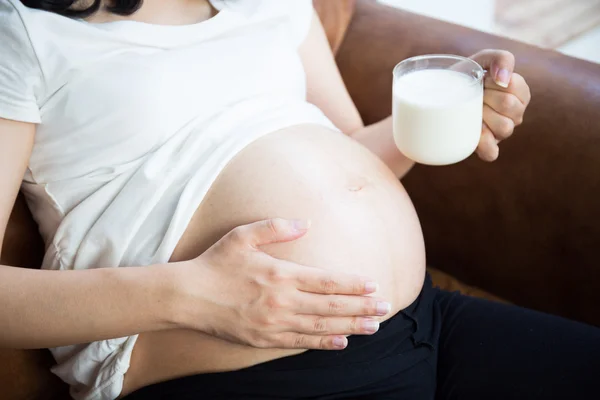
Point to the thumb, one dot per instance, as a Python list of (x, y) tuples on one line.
[(275, 230), (499, 63)]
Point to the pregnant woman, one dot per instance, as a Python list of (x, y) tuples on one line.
[(214, 144)]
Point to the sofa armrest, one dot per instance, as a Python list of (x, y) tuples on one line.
[(526, 227)]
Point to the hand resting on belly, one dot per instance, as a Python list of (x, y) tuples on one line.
[(362, 223)]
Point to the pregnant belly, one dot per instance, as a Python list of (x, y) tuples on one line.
[(362, 222)]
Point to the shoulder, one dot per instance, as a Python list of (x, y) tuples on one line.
[(15, 12), (12, 13), (21, 78), (15, 16), (17, 22), (14, 30), (14, 5), (33, 39)]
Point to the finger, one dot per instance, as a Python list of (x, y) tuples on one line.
[(300, 341), (518, 86), (313, 325), (488, 149), (501, 127), (275, 230), (340, 306), (499, 63), (315, 280), (505, 104)]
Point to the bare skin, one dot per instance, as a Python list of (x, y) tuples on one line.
[(186, 291)]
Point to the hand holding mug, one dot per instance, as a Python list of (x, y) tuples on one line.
[(505, 99)]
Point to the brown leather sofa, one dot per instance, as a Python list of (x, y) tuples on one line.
[(526, 228)]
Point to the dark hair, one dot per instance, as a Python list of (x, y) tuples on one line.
[(70, 8)]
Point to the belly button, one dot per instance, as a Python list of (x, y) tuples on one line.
[(358, 184)]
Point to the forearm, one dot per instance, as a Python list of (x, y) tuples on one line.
[(55, 308), (379, 139), (326, 90)]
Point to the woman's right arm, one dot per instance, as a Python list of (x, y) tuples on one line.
[(233, 290), (52, 308), (57, 308)]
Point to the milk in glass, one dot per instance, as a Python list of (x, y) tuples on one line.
[(437, 115)]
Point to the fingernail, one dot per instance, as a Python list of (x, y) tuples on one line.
[(340, 342), (503, 78), (370, 326), (371, 287), (301, 225), (383, 307)]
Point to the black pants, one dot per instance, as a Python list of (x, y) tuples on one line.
[(444, 346)]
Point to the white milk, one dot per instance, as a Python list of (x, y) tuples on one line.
[(437, 115)]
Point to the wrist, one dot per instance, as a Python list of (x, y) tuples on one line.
[(189, 299), (147, 296), (168, 288)]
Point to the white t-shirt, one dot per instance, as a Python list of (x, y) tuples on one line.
[(135, 123)]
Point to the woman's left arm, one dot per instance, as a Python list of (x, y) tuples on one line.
[(506, 97)]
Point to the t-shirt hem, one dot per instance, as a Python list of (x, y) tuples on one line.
[(112, 387)]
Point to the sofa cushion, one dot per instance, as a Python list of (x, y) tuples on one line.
[(448, 282), (25, 375)]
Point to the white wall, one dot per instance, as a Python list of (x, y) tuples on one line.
[(586, 46), (478, 14)]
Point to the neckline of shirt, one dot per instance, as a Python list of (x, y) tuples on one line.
[(156, 35), (219, 5)]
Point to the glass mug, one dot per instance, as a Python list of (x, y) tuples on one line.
[(437, 108)]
